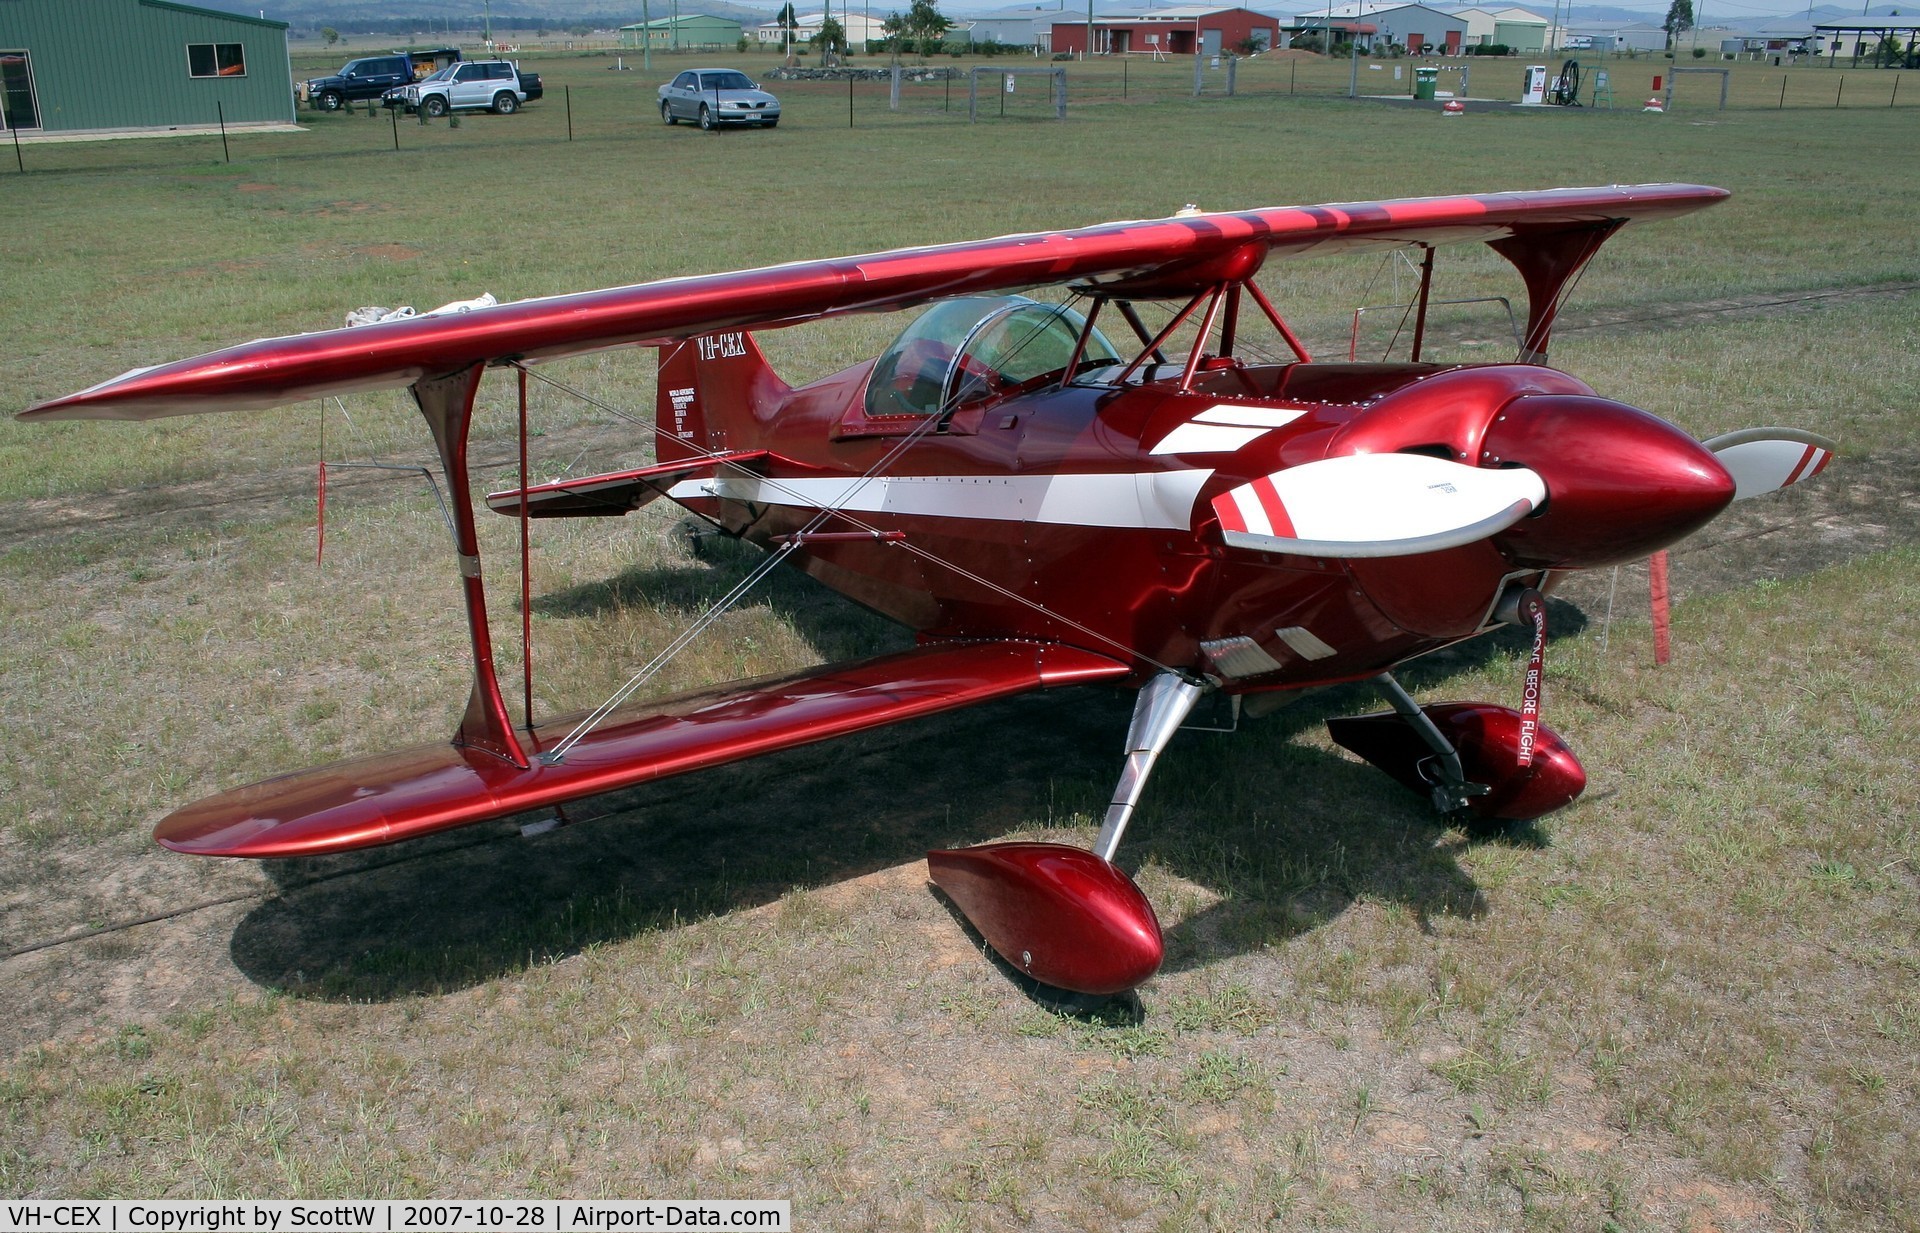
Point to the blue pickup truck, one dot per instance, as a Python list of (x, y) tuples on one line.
[(370, 77)]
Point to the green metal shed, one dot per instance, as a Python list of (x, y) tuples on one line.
[(79, 65), (687, 31)]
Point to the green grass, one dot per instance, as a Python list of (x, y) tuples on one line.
[(1687, 1000)]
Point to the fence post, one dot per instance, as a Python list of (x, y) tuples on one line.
[(18, 161), (893, 94), (395, 113), (1060, 105), (973, 95), (1233, 67), (569, 113), (1199, 66), (1839, 89), (1783, 93)]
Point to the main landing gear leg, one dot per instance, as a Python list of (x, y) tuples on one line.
[(1066, 917), (1163, 705)]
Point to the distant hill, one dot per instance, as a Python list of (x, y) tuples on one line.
[(424, 16)]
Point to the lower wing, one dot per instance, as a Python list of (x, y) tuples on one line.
[(390, 797)]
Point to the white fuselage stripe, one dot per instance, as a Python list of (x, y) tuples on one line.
[(1155, 500)]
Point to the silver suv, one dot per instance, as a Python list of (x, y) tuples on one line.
[(472, 84)]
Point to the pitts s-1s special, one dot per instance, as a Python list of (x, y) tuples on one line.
[(1048, 497)]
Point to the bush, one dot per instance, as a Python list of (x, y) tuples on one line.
[(1699, 53), (741, 46)]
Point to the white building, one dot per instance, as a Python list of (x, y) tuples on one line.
[(859, 27), (1419, 29)]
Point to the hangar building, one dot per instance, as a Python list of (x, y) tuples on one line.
[(80, 65), (1181, 30)]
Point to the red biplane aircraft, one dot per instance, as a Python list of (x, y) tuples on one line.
[(1046, 503)]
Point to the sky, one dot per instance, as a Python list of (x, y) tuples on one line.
[(1739, 13)]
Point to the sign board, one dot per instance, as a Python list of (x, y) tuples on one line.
[(1009, 86)]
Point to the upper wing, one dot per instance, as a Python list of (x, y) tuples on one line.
[(1154, 256), (412, 792)]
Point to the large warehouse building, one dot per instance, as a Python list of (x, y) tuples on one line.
[(80, 65)]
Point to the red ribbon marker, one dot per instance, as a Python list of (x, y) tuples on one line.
[(1662, 608)]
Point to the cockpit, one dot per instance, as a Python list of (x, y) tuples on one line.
[(964, 351)]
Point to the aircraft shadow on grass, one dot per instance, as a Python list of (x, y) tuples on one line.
[(1284, 834)]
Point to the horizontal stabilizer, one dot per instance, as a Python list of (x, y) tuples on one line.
[(1376, 505), (613, 494), (1764, 460), (390, 797)]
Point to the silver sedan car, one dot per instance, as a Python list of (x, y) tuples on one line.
[(711, 97)]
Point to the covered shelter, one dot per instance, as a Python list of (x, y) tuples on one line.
[(126, 65), (1866, 38)]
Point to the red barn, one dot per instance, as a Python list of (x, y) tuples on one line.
[(1179, 31)]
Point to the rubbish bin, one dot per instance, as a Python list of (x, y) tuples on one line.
[(1423, 82)]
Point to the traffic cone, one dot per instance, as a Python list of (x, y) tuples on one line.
[(1655, 105), (1453, 107)]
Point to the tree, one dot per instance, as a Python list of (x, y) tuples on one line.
[(1679, 20), (926, 22), (829, 40), (330, 34), (789, 22)]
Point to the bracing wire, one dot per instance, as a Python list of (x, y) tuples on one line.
[(825, 514)]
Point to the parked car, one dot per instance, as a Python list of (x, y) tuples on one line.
[(371, 77), (711, 97), (493, 85)]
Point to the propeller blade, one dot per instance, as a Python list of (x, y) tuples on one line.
[(1764, 460), (1376, 505)]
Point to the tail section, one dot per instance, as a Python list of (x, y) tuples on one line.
[(716, 391)]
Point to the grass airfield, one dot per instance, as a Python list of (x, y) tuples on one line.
[(1687, 1002)]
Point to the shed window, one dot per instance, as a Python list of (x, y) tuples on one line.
[(17, 106), (216, 60)]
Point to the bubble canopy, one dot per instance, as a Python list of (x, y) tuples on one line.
[(968, 349)]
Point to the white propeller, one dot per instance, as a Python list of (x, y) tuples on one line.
[(1764, 460), (1376, 505)]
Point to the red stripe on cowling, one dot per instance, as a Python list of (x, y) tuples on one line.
[(1269, 498), (1821, 465)]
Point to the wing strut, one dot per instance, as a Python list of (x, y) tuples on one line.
[(447, 404), (1548, 260)]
